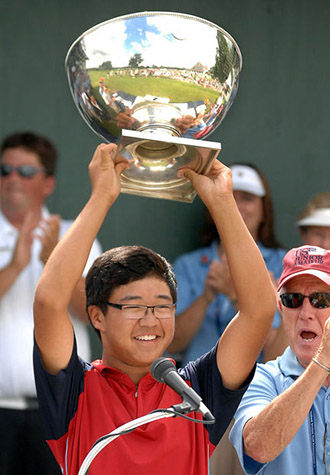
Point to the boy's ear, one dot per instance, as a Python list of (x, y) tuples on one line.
[(97, 317)]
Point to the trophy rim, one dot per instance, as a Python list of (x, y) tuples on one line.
[(155, 13)]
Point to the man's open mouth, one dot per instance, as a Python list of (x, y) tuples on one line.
[(308, 335)]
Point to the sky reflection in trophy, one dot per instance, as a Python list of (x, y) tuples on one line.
[(156, 83)]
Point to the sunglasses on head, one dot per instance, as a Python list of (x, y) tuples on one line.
[(25, 171), (295, 300)]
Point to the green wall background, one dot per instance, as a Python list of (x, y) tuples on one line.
[(279, 120)]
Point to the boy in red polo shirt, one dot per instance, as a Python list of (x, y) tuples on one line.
[(131, 295)]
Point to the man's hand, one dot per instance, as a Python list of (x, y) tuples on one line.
[(105, 170), (49, 237), (323, 353), (22, 252)]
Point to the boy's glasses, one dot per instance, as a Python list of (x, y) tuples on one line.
[(24, 171), (295, 300), (135, 312)]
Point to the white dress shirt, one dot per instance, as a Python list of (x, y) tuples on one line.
[(16, 315)]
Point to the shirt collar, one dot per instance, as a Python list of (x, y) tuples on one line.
[(209, 253), (112, 373), (45, 214), (213, 250), (289, 364), (6, 227)]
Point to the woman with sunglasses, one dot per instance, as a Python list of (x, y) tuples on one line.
[(282, 423)]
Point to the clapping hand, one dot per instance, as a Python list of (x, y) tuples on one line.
[(219, 280), (48, 237), (22, 252)]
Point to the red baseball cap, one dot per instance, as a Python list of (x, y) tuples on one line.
[(306, 260)]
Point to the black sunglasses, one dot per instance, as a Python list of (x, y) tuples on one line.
[(317, 300), (25, 171)]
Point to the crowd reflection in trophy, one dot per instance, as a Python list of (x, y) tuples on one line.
[(116, 107)]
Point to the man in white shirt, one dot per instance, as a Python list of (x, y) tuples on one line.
[(28, 234)]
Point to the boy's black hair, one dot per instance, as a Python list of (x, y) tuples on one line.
[(120, 266)]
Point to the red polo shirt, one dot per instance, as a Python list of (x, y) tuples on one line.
[(84, 402)]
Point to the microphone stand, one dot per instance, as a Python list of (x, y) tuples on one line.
[(129, 426)]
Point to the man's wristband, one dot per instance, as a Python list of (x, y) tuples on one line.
[(320, 364)]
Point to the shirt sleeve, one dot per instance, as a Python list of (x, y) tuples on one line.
[(205, 379), (58, 394), (260, 393)]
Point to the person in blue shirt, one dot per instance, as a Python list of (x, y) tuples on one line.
[(206, 297), (281, 425)]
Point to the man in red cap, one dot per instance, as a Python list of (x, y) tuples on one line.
[(281, 424)]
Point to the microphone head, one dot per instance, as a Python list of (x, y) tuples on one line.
[(160, 367)]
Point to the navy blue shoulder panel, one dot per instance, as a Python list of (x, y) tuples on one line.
[(58, 394), (206, 380)]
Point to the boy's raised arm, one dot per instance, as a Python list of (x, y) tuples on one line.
[(244, 337), (53, 328)]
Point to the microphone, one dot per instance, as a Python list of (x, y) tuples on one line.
[(163, 370)]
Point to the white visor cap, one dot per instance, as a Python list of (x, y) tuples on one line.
[(319, 217), (247, 179)]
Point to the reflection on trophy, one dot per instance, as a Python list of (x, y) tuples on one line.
[(156, 83)]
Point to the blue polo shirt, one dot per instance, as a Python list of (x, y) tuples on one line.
[(272, 379), (191, 270)]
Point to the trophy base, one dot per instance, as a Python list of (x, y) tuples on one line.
[(155, 158)]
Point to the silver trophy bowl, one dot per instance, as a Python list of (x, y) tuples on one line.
[(156, 83)]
